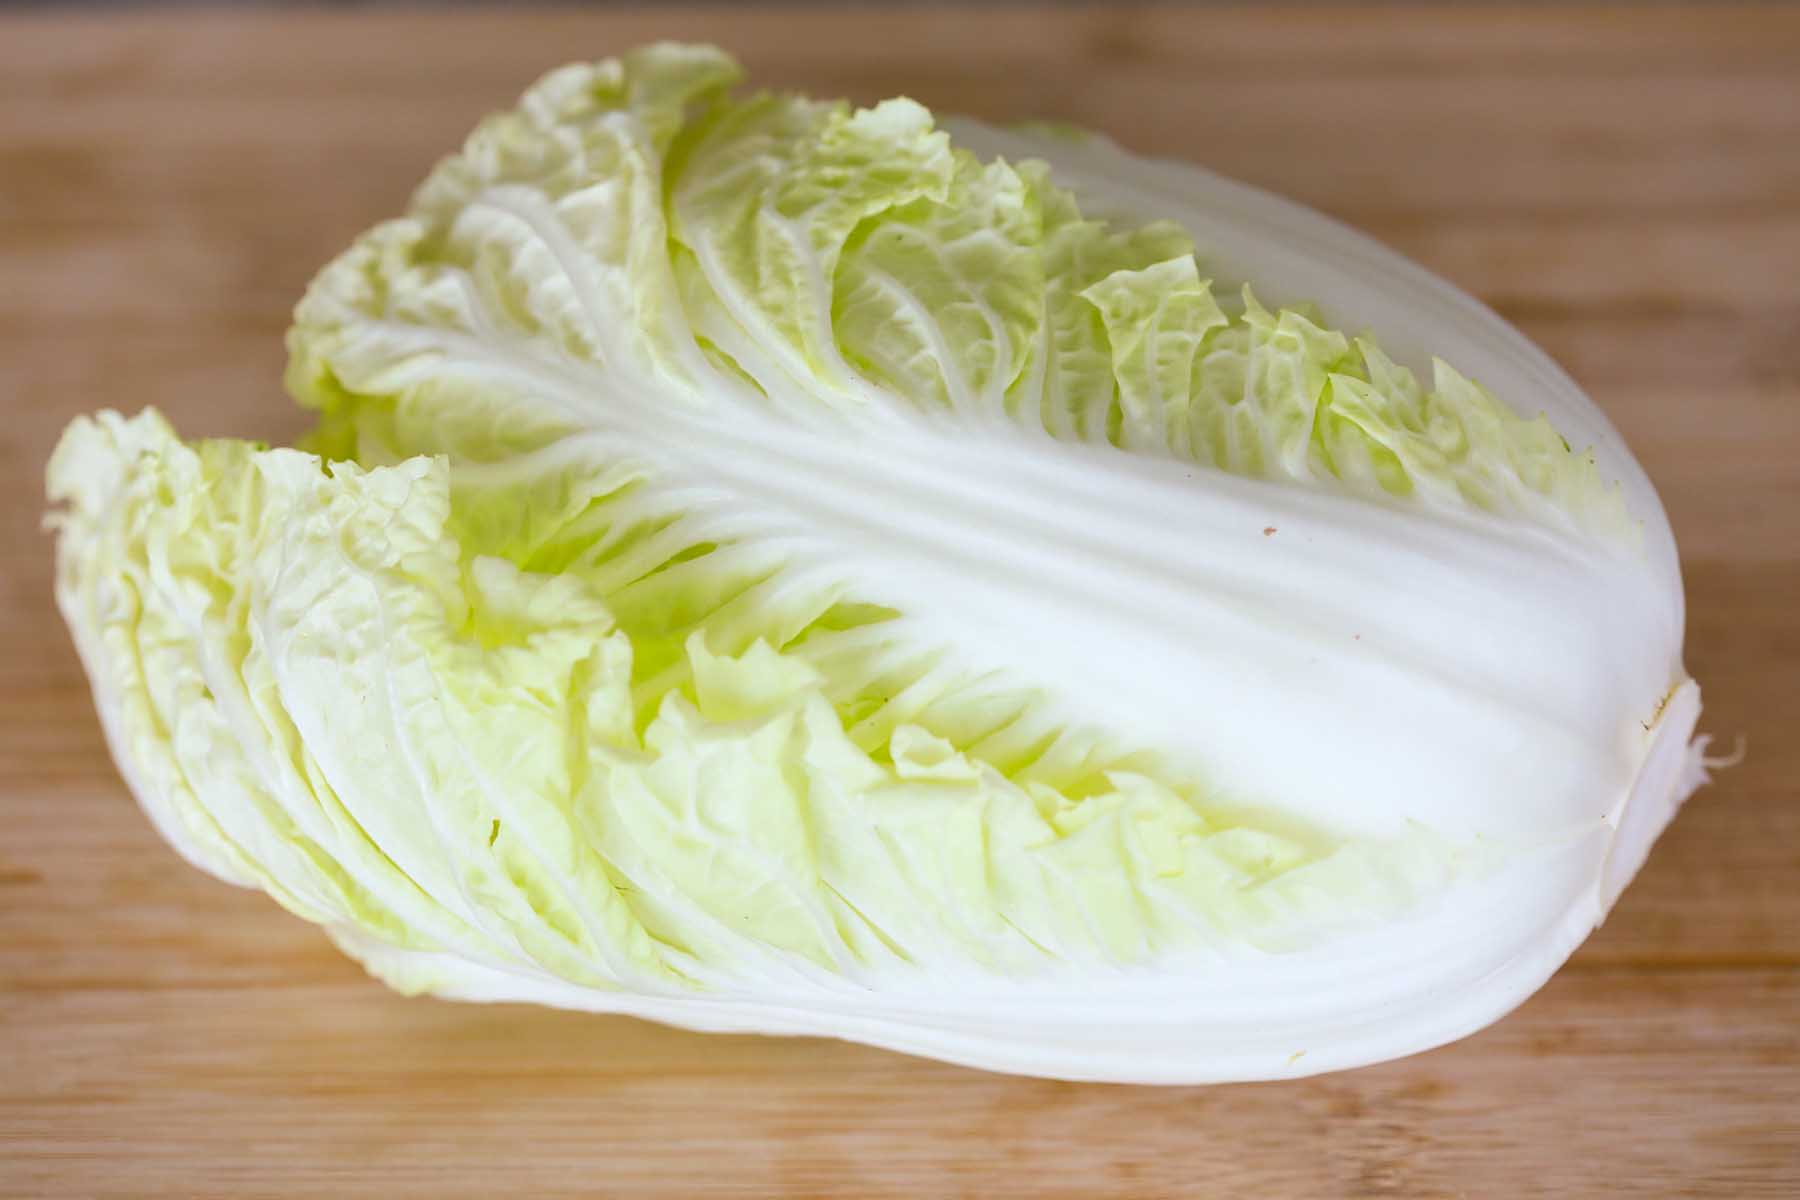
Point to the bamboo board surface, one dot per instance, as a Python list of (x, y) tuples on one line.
[(1624, 186)]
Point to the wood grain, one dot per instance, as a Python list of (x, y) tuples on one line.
[(1624, 185)]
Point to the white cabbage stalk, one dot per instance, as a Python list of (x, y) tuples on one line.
[(768, 566)]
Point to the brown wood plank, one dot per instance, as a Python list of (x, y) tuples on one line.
[(1623, 1080)]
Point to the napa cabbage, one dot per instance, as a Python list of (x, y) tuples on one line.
[(766, 564)]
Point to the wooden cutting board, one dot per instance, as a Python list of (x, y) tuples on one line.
[(1626, 187)]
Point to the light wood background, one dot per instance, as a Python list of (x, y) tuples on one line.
[(1625, 186)]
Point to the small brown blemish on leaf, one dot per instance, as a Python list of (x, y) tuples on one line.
[(1661, 707), (1663, 704)]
